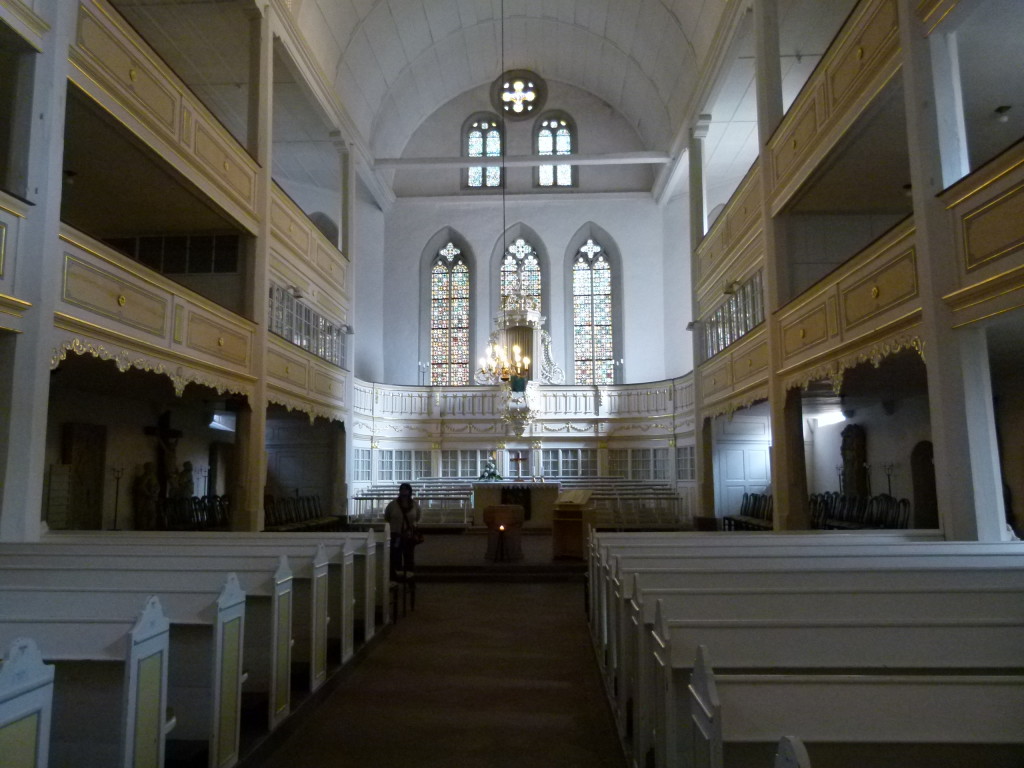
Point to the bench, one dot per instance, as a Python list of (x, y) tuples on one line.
[(26, 705), (204, 684), (936, 712), (109, 685), (614, 588), (603, 545), (339, 587), (808, 627), (269, 596), (371, 560)]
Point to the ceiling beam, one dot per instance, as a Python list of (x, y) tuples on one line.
[(615, 158)]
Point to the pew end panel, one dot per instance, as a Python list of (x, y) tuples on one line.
[(26, 703)]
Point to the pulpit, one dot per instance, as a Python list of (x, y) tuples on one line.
[(571, 515), (504, 532)]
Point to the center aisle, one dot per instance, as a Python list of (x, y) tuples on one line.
[(481, 675)]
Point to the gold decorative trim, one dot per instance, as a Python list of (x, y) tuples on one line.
[(312, 410), (17, 306), (71, 261), (74, 324), (125, 360), (736, 402), (835, 369), (3, 245)]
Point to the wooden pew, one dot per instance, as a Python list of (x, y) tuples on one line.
[(269, 596), (26, 705), (110, 685), (335, 619), (371, 559), (843, 598), (204, 685), (940, 711), (602, 546), (616, 582)]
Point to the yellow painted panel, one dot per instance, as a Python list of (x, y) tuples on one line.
[(332, 386), (148, 717), (284, 642), (128, 71), (290, 228), (225, 165), (716, 379), (882, 289), (810, 329), (866, 48), (211, 337), (995, 229), (797, 135), (320, 638), (286, 368), (19, 742), (750, 362), (227, 737), (107, 294)]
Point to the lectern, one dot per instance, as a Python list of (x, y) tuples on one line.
[(567, 523)]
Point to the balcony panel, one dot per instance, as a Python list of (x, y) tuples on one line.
[(862, 59), (117, 69)]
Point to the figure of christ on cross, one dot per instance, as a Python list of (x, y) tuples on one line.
[(166, 451)]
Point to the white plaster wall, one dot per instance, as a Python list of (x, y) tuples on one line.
[(890, 439), (368, 288), (600, 129), (633, 221), (676, 287)]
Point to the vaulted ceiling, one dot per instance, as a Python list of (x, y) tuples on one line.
[(394, 62)]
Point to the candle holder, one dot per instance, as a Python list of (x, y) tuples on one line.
[(117, 473)]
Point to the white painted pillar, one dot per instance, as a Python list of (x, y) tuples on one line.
[(949, 105), (698, 228), (38, 266), (959, 421), (251, 431)]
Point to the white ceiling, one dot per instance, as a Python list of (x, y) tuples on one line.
[(393, 63)]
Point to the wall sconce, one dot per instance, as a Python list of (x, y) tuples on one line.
[(294, 291), (347, 329), (693, 325), (1002, 113), (731, 287)]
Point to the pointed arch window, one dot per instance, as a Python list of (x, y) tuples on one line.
[(483, 139), (592, 332), (520, 277), (556, 135), (449, 318)]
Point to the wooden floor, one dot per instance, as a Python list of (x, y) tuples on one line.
[(482, 674)]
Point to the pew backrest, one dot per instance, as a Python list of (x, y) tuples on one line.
[(26, 704)]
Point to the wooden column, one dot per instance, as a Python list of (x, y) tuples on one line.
[(967, 473), (38, 279)]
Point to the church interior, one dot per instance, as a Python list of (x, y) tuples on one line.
[(710, 296)]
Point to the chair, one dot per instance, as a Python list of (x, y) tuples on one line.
[(504, 530)]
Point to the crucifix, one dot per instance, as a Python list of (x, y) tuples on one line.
[(166, 450)]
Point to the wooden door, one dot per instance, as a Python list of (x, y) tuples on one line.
[(84, 449)]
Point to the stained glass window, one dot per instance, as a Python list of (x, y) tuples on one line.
[(593, 348), (449, 318), (483, 139), (520, 277), (554, 137)]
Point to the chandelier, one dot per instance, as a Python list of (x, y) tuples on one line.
[(498, 366)]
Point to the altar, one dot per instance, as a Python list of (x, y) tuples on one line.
[(537, 499)]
